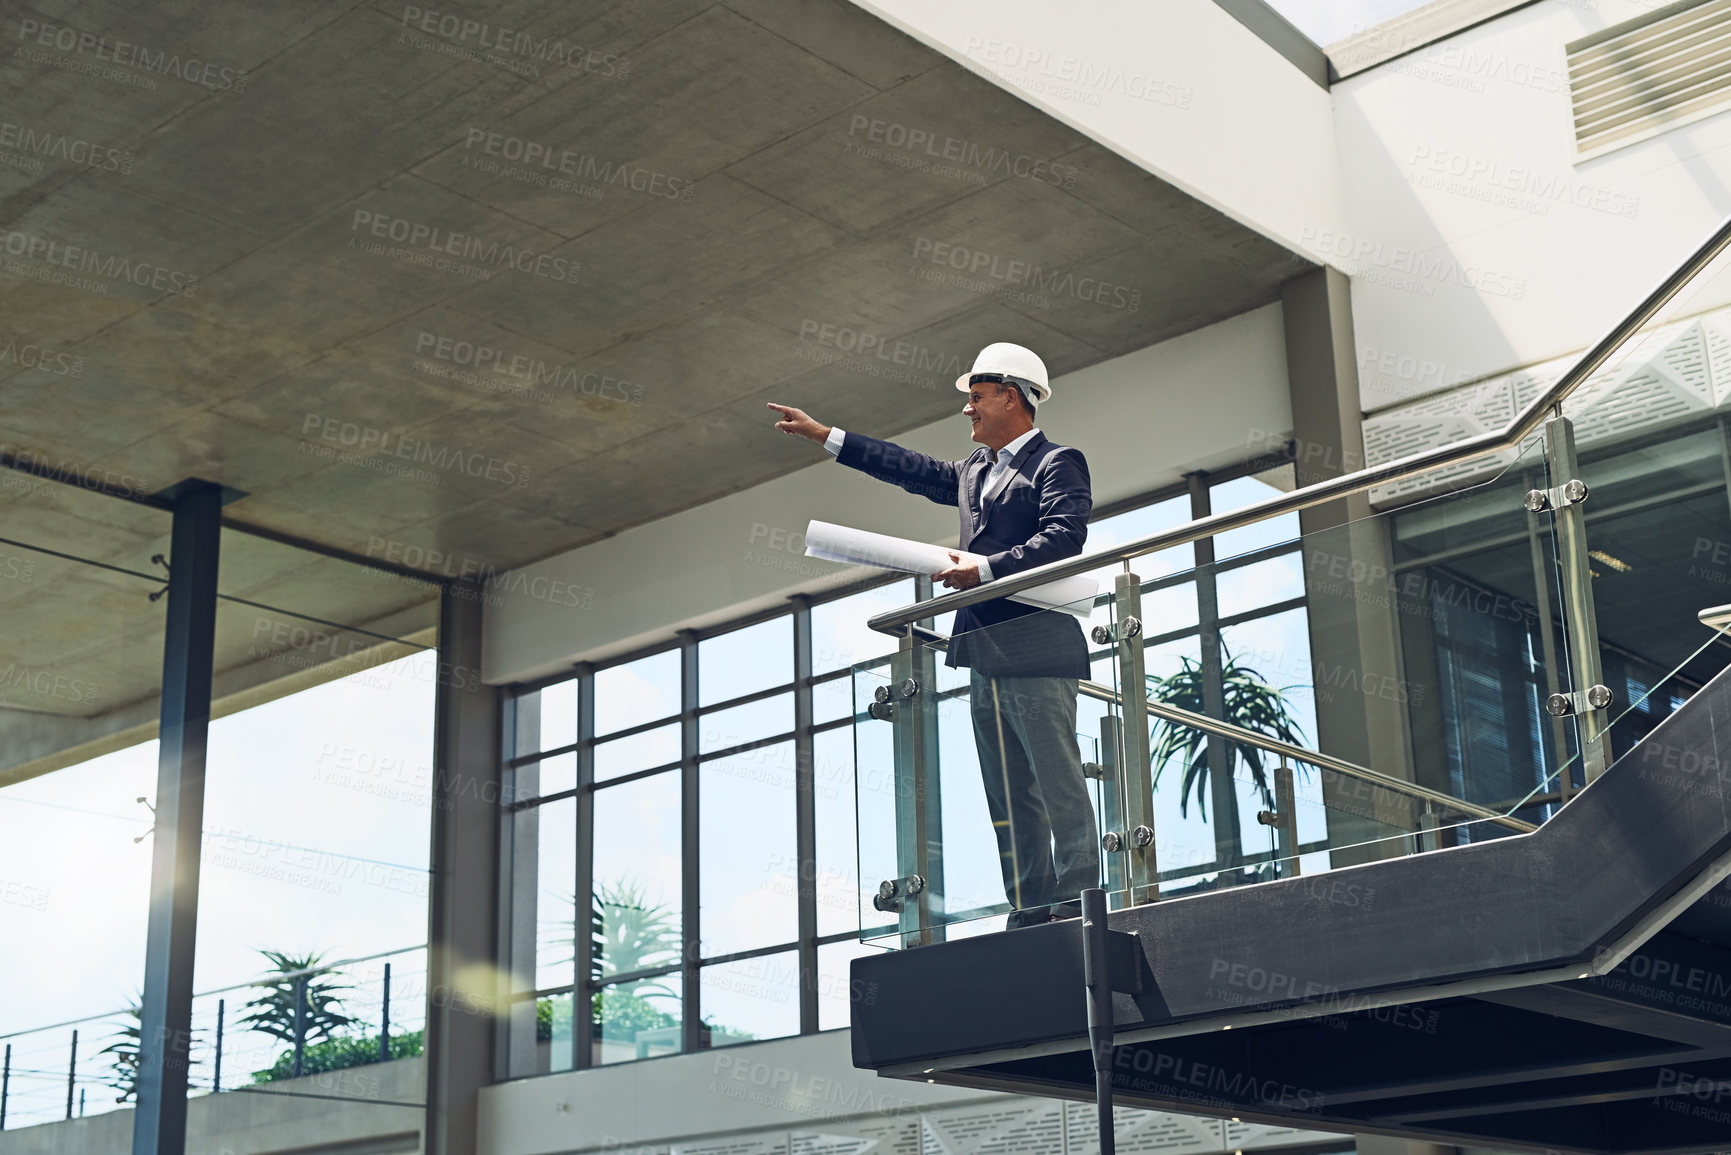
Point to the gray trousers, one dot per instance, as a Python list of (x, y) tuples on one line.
[(1025, 732)]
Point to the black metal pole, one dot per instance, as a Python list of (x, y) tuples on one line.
[(385, 1020), (300, 1022), (5, 1085), (71, 1072), (1096, 971), (188, 642), (216, 1074)]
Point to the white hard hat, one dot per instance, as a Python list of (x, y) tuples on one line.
[(1018, 365)]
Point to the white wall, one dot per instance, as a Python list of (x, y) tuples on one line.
[(1489, 108), (1202, 400), (1178, 86)]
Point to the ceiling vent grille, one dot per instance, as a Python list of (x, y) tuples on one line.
[(1653, 73)]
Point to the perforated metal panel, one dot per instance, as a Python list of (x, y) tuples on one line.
[(1651, 73), (1670, 373), (1004, 1125)]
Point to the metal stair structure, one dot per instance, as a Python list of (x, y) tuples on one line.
[(1567, 990)]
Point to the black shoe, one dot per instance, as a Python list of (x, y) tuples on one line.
[(1031, 916), (1064, 910)]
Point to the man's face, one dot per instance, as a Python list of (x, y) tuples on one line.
[(996, 413)]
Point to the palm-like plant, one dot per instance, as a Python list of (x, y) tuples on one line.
[(124, 1048), (632, 934), (1250, 702), (627, 933), (273, 1013)]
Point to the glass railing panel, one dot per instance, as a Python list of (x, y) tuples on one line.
[(1421, 640), (1300, 818), (1649, 436), (988, 782), (875, 786)]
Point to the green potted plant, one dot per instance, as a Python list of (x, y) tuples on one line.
[(1251, 703)]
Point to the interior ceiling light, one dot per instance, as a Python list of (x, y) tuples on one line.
[(1617, 564)]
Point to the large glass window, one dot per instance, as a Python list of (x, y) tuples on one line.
[(742, 662), (637, 692), (686, 782)]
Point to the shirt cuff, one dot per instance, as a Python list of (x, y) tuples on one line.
[(985, 570), (833, 442)]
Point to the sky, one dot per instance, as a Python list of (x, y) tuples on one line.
[(1326, 21), (316, 840)]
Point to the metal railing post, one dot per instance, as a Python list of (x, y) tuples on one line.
[(1580, 623), (1427, 829), (1135, 772), (1112, 808), (385, 1015), (71, 1072), (912, 694), (1097, 976), (216, 1073), (1286, 819), (5, 1085), (300, 1023)]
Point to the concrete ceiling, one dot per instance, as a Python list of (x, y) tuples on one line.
[(737, 177)]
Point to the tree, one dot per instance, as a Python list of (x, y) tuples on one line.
[(273, 1013), (1250, 703), (631, 934), (124, 1050), (340, 1054)]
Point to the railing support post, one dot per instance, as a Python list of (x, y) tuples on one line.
[(71, 1072), (1580, 623), (919, 842), (1134, 771), (1097, 976), (5, 1085), (385, 1014), (1286, 823), (216, 1072)]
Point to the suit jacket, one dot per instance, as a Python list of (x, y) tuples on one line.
[(1039, 514)]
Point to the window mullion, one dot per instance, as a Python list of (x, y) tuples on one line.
[(583, 894), (805, 815), (691, 1031)]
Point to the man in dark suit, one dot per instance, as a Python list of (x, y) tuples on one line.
[(1024, 501)]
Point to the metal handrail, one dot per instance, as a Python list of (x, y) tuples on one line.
[(1509, 437), (1309, 757)]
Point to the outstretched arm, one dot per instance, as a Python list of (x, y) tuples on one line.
[(799, 423), (918, 473)]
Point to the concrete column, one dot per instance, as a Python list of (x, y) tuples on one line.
[(465, 983), (1354, 635), (188, 643)]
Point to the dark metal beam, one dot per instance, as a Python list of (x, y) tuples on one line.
[(690, 885), (189, 638), (465, 983), (583, 995), (805, 815)]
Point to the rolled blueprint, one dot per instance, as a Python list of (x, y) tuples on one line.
[(861, 547)]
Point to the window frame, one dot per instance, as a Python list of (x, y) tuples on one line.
[(799, 607)]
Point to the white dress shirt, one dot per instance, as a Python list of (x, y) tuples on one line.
[(989, 484)]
